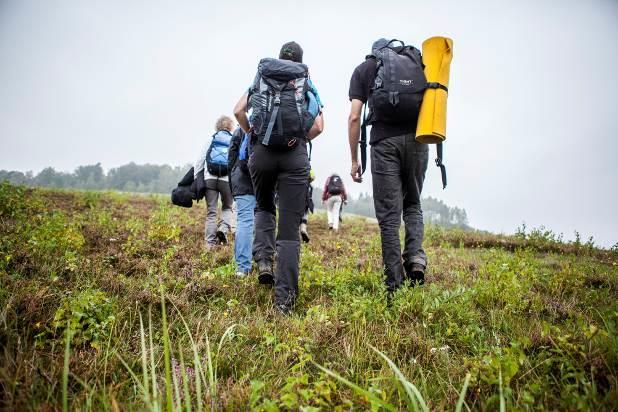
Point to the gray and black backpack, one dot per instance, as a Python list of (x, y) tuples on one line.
[(399, 83), (277, 99), (398, 90)]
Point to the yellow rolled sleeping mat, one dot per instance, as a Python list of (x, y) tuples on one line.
[(437, 56)]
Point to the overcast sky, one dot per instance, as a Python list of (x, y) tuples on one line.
[(532, 120)]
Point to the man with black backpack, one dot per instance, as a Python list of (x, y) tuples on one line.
[(392, 82), (281, 123), (211, 173)]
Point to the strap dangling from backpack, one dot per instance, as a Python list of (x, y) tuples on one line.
[(273, 119), (440, 165), (363, 141)]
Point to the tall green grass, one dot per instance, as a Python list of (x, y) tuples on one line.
[(414, 399), (182, 392)]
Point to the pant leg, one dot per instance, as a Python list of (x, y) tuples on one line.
[(329, 211), (416, 159), (263, 168), (212, 199), (336, 209), (387, 197), (292, 186), (243, 242), (227, 204)]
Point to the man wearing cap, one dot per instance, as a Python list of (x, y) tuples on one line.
[(285, 170), (398, 165)]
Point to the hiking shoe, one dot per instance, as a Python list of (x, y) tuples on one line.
[(221, 237), (390, 297), (415, 273), (242, 274), (303, 233), (283, 309), (265, 273)]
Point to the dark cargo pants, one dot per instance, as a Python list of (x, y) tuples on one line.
[(288, 172), (398, 166)]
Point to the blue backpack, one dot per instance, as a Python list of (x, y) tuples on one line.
[(216, 157)]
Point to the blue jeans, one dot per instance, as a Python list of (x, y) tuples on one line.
[(243, 244)]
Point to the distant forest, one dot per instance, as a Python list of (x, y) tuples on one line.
[(150, 178)]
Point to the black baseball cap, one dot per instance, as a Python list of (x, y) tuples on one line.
[(291, 51)]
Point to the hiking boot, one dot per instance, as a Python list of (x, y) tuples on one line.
[(415, 273), (389, 299), (303, 232), (221, 237), (265, 273), (242, 274), (283, 309)]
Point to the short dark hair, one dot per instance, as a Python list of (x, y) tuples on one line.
[(291, 51)]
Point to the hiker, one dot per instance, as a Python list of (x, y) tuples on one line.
[(309, 206), (281, 125), (398, 162), (334, 196), (242, 191), (213, 162)]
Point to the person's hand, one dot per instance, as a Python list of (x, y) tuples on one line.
[(356, 172)]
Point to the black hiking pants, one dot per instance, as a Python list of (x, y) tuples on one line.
[(288, 173), (398, 166)]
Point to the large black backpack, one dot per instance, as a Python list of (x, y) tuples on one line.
[(277, 99), (397, 94), (399, 83)]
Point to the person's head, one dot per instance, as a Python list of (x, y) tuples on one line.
[(291, 51), (224, 123)]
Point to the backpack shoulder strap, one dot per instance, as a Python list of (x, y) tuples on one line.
[(363, 140)]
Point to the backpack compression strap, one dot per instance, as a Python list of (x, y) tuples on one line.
[(440, 165), (273, 119), (436, 85)]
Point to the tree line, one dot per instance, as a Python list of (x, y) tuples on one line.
[(131, 177), (149, 178)]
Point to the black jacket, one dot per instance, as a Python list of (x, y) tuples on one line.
[(240, 178), (187, 190)]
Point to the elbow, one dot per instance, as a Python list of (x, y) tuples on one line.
[(353, 119), (238, 112)]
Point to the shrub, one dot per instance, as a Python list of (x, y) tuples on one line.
[(88, 316)]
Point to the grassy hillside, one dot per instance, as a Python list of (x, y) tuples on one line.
[(109, 302)]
